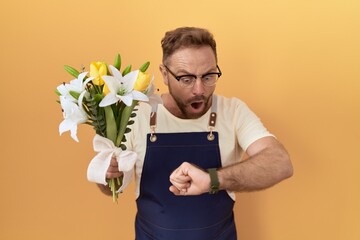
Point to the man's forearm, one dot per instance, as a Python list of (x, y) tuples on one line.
[(258, 172)]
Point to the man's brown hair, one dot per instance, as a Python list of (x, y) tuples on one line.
[(186, 37)]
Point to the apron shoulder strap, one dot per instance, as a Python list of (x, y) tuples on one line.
[(212, 119), (153, 123), (153, 115)]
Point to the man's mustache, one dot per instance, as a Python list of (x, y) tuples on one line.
[(196, 99)]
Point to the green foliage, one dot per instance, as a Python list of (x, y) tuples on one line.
[(144, 67), (126, 70), (111, 128), (72, 71), (74, 94), (124, 121), (117, 62), (97, 116)]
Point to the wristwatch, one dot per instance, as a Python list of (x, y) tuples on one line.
[(214, 181)]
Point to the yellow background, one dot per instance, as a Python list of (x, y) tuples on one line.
[(296, 64)]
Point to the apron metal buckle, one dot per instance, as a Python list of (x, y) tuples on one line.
[(211, 136), (153, 137)]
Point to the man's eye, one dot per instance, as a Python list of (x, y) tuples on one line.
[(187, 79), (209, 77)]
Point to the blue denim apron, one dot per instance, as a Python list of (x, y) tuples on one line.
[(161, 214)]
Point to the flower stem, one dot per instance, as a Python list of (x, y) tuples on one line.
[(112, 186), (125, 116), (115, 183), (110, 124)]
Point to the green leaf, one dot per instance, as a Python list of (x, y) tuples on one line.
[(98, 97), (119, 114), (74, 94), (144, 67), (115, 110), (117, 62), (57, 92), (126, 70), (107, 69), (97, 117), (125, 116), (111, 130), (71, 70)]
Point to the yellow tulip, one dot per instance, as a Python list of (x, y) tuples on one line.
[(98, 69), (142, 82)]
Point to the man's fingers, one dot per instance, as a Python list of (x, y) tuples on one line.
[(113, 162), (177, 192), (180, 182), (174, 190), (113, 169), (180, 179), (113, 174), (180, 175), (185, 171), (181, 186)]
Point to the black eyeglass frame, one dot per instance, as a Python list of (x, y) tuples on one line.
[(192, 75)]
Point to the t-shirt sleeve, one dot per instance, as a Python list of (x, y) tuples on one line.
[(249, 127)]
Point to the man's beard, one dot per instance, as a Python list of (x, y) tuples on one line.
[(182, 105)]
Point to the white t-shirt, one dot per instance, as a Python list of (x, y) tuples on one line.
[(237, 125)]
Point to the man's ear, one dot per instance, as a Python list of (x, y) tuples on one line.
[(164, 74)]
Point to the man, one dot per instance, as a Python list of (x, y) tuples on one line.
[(190, 148)]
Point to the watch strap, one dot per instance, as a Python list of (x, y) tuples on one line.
[(214, 181)]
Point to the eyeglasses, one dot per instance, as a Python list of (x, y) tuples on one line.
[(188, 80)]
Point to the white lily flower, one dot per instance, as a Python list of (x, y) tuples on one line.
[(74, 114), (121, 88), (76, 85)]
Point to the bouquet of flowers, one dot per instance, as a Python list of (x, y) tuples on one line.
[(105, 98)]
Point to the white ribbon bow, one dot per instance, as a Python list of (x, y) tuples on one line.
[(99, 165)]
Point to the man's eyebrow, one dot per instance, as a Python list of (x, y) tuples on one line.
[(182, 71)]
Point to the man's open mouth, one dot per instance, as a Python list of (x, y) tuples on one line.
[(196, 105)]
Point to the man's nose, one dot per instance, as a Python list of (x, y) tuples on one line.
[(198, 88)]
